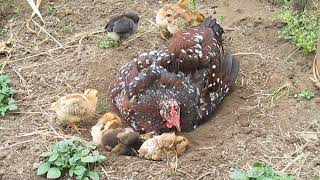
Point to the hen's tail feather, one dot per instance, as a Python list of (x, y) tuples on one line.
[(230, 69), (211, 23)]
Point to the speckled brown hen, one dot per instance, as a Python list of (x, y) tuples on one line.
[(179, 85)]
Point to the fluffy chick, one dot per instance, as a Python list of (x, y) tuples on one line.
[(173, 18), (76, 108), (122, 141), (158, 147), (107, 121), (122, 26)]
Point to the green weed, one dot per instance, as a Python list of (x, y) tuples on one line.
[(302, 28), (193, 4), (52, 9), (182, 24), (259, 171), (77, 158), (67, 29), (220, 19), (7, 103), (107, 43), (306, 94)]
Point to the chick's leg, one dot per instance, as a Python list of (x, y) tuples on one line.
[(74, 126), (164, 34)]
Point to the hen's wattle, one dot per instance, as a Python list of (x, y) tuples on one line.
[(190, 70)]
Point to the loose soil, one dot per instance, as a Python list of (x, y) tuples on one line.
[(261, 119)]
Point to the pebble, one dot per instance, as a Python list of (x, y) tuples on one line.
[(247, 130), (292, 140)]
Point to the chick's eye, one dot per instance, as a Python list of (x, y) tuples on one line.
[(168, 15)]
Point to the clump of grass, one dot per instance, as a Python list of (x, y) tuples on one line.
[(306, 94), (182, 24), (302, 28), (102, 108), (193, 4), (7, 103), (107, 43), (220, 19), (67, 29), (259, 171), (52, 9), (74, 157)]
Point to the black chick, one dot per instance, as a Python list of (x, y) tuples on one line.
[(122, 141), (122, 26)]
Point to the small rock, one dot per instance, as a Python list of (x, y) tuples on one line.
[(292, 140), (311, 147), (35, 165), (247, 130), (260, 133), (250, 24), (220, 142), (316, 163), (244, 122), (309, 136)]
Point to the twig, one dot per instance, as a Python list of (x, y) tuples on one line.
[(12, 145), (285, 60), (105, 172), (55, 132), (42, 53), (185, 173), (293, 161), (47, 33), (238, 54), (298, 174), (204, 175), (139, 35), (22, 112)]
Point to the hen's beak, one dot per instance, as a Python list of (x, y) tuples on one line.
[(177, 125)]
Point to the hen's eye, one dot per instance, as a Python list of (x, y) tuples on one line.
[(168, 15)]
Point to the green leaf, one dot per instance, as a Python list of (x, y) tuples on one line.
[(53, 157), (79, 170), (53, 173), (93, 175), (238, 175), (259, 164), (88, 159), (12, 105), (43, 168), (255, 172), (85, 152), (101, 158), (71, 172), (45, 154)]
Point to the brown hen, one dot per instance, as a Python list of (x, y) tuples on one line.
[(179, 85)]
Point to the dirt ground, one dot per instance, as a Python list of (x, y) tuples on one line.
[(261, 119)]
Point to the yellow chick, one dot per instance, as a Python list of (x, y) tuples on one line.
[(76, 108), (158, 147), (173, 18), (106, 122)]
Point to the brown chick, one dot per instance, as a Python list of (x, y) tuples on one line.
[(107, 121), (122, 141), (158, 147), (76, 108), (173, 18)]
